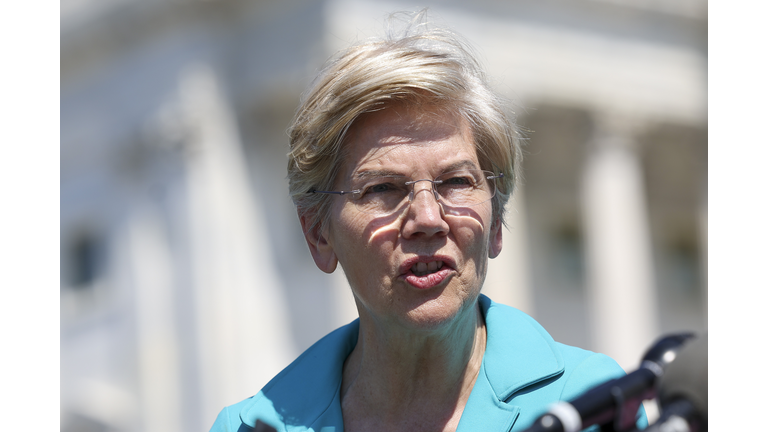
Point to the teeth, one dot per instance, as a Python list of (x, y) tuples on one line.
[(421, 269)]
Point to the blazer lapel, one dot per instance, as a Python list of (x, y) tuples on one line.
[(484, 411), (519, 353)]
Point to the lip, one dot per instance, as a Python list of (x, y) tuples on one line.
[(429, 280)]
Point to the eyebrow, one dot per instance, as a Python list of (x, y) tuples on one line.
[(368, 174), (460, 165)]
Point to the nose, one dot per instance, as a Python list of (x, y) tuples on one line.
[(424, 215)]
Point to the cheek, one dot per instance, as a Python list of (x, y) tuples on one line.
[(472, 234), (471, 228), (362, 243), (473, 241)]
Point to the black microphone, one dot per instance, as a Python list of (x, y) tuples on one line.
[(618, 400), (682, 391), (678, 416), (260, 426)]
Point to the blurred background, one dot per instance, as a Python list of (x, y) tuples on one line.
[(185, 281)]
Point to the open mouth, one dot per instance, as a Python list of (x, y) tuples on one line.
[(423, 269), (427, 272)]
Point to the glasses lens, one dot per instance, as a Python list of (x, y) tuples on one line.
[(465, 188), (382, 195)]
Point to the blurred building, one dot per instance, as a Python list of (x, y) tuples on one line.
[(185, 280)]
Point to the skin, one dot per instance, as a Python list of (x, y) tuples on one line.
[(422, 337)]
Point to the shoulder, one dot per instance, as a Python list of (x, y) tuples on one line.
[(229, 419), (585, 369), (301, 393), (522, 345), (530, 370)]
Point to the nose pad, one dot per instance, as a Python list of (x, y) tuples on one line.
[(430, 190), (424, 216)]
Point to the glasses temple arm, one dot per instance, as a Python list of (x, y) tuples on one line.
[(334, 192)]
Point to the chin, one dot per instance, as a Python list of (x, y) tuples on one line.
[(439, 313)]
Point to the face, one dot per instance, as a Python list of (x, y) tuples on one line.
[(424, 267)]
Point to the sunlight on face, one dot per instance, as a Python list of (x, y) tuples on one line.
[(423, 265)]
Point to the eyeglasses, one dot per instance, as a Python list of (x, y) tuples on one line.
[(386, 195)]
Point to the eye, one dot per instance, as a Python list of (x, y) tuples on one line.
[(458, 180), (382, 187)]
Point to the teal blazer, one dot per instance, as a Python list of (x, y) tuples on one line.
[(523, 371)]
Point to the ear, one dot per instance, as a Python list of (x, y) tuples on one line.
[(322, 251), (494, 247)]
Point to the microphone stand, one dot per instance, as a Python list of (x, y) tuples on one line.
[(614, 404)]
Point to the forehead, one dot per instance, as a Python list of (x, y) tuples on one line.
[(403, 138)]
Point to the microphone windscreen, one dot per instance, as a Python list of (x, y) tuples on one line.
[(686, 376)]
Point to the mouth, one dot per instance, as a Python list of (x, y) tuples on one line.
[(426, 272), (423, 269)]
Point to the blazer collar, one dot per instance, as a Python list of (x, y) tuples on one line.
[(518, 353)]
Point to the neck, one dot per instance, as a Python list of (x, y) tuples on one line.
[(394, 372)]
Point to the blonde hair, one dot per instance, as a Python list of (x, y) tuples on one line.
[(419, 66)]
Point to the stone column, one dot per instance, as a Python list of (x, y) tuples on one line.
[(157, 336), (242, 334), (620, 277)]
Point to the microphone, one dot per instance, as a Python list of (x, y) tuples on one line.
[(682, 391), (260, 426), (678, 416), (617, 400)]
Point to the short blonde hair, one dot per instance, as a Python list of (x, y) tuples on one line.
[(420, 66)]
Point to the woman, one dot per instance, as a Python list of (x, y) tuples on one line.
[(401, 163)]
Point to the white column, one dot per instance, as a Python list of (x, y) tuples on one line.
[(508, 278), (620, 276), (243, 334), (158, 354)]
